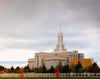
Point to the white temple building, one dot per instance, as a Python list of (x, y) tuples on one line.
[(60, 54)]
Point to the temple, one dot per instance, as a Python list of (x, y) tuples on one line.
[(59, 55)]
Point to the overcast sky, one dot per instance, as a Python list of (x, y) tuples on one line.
[(29, 26)]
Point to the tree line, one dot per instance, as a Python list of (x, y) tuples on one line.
[(94, 68)]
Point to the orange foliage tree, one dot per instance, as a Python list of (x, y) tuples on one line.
[(87, 63), (73, 64)]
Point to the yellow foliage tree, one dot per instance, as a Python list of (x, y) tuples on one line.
[(87, 63)]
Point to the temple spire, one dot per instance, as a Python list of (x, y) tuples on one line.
[(60, 26), (60, 45)]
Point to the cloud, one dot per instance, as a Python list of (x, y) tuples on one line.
[(8, 64), (32, 25), (15, 55)]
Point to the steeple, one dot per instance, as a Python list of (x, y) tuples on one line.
[(60, 27), (60, 45)]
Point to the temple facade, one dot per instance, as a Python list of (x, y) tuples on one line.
[(60, 54)]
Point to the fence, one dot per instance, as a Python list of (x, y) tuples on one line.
[(51, 75)]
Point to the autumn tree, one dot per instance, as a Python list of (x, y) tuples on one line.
[(95, 68), (88, 68), (40, 70), (17, 69), (73, 64)]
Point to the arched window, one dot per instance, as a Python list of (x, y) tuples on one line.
[(37, 61), (56, 64), (51, 63), (61, 40), (65, 63), (75, 56)]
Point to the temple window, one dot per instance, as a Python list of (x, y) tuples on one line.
[(56, 64), (37, 61), (51, 63), (65, 63)]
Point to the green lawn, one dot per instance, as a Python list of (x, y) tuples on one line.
[(56, 78)]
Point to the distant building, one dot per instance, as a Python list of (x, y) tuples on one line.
[(60, 54)]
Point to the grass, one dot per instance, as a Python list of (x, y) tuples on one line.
[(53, 78)]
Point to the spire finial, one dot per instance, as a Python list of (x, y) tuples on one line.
[(60, 26)]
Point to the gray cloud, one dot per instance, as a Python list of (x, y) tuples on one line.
[(37, 21)]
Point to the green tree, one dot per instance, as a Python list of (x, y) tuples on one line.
[(1, 68), (66, 69), (51, 69), (44, 69), (78, 67), (26, 68), (17, 67), (12, 69), (60, 67)]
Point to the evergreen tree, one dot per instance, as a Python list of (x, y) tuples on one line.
[(26, 68), (66, 69), (60, 67), (1, 68), (12, 69), (78, 67), (44, 70), (51, 69), (17, 67)]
